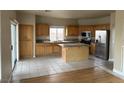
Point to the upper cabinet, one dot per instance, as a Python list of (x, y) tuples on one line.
[(92, 28), (87, 28), (72, 30), (102, 27), (42, 30), (25, 32)]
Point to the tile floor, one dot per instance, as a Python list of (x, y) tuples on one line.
[(48, 65)]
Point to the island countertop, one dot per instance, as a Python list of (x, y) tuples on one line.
[(56, 42), (73, 45)]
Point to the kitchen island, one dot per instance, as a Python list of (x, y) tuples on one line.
[(75, 52), (48, 48)]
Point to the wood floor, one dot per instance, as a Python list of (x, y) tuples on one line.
[(90, 75)]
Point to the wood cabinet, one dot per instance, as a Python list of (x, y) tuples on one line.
[(56, 49), (47, 49), (92, 48), (102, 27), (25, 49), (25, 41), (39, 50), (87, 28), (25, 32), (43, 49), (42, 30), (72, 30), (108, 26), (75, 54)]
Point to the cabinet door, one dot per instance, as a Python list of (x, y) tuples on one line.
[(42, 30), (56, 49), (48, 49), (40, 50), (44, 49), (25, 32), (92, 48), (72, 31), (25, 49), (45, 29)]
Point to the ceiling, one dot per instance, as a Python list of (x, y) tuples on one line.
[(70, 14)]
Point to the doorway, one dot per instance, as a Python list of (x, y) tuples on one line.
[(14, 42)]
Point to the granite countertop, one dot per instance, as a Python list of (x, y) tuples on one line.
[(73, 45)]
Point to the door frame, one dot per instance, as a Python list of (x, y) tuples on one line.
[(14, 22)]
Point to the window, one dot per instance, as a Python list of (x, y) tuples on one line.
[(56, 33)]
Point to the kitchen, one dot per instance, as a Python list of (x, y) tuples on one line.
[(59, 55), (56, 40), (72, 34), (45, 37)]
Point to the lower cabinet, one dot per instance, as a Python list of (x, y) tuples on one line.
[(39, 50), (43, 49), (56, 49), (47, 49), (92, 48), (25, 49)]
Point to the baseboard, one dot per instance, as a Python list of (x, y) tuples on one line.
[(113, 72), (112, 60), (118, 73)]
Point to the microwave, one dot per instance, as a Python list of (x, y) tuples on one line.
[(86, 34)]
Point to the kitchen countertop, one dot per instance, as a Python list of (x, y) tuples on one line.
[(73, 45), (56, 42)]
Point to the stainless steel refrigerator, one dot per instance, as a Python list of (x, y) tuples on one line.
[(102, 44)]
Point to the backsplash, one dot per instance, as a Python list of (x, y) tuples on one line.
[(44, 38), (67, 38), (72, 38)]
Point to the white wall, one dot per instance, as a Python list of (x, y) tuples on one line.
[(119, 42), (6, 63), (56, 21), (0, 45), (92, 21), (112, 36), (28, 19), (24, 18)]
